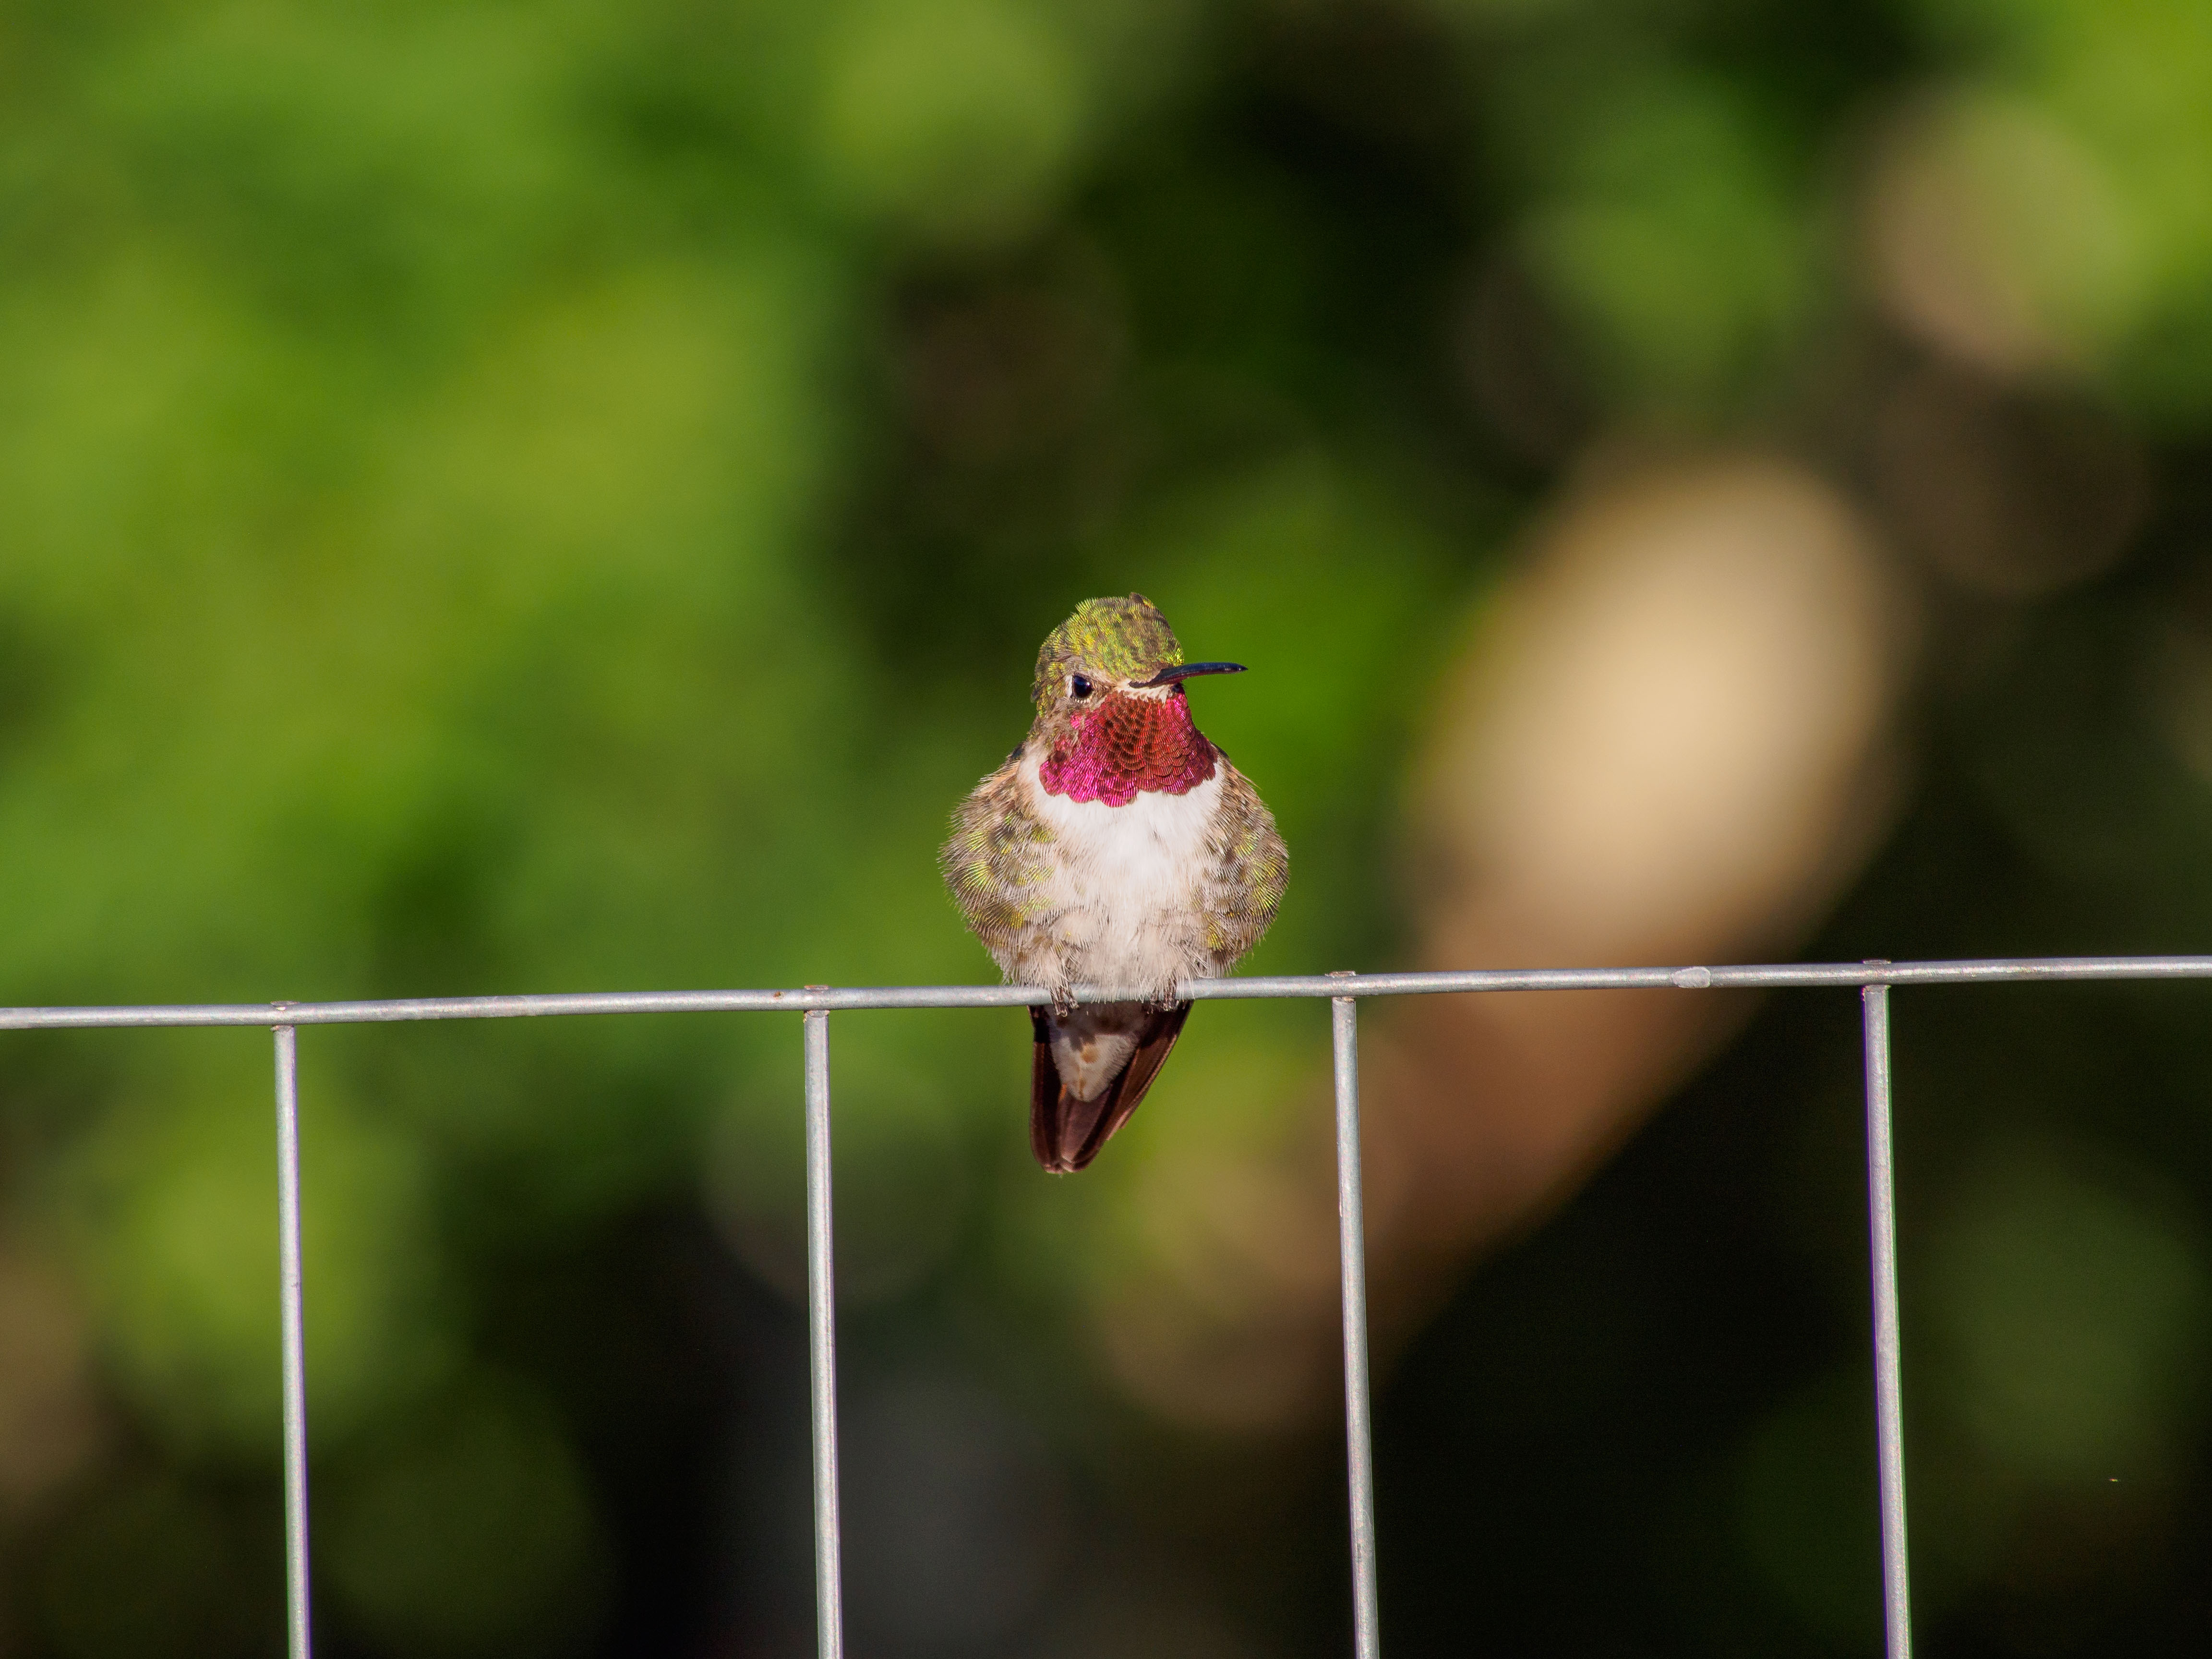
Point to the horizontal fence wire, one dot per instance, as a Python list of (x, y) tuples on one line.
[(1873, 979), (1772, 976)]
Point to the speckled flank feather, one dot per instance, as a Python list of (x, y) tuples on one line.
[(1240, 895), (999, 865)]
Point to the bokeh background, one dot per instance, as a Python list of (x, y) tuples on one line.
[(502, 496)]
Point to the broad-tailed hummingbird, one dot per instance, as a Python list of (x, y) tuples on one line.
[(1116, 847)]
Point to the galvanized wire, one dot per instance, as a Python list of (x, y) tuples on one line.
[(822, 1344), (295, 1361), (1874, 978), (1769, 976), (1351, 1260), (1888, 1348)]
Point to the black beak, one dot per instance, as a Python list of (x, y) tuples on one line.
[(1169, 676)]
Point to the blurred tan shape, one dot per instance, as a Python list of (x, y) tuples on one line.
[(1653, 743), (1670, 745), (48, 1425), (1994, 236), (1669, 742)]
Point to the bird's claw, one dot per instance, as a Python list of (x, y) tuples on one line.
[(1063, 1001)]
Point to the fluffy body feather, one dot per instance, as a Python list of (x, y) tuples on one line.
[(1116, 847), (1064, 893)]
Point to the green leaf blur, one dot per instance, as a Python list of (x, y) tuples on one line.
[(502, 497)]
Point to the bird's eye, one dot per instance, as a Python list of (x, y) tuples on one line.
[(1079, 686)]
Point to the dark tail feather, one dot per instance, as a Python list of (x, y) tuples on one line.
[(1065, 1132)]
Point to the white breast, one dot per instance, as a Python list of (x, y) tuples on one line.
[(1126, 886)]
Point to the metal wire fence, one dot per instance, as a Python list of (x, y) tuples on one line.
[(1874, 981)]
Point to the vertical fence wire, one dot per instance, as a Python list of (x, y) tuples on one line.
[(1359, 1432), (1888, 1395), (296, 1364), (821, 1335)]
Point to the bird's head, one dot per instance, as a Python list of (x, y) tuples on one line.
[(1112, 720), (1111, 649)]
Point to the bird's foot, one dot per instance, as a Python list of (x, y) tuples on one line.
[(1063, 1001)]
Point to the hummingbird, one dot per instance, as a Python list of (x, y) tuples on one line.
[(1116, 847)]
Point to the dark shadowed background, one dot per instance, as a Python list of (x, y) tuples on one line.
[(562, 497)]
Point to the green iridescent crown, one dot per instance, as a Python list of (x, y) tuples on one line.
[(1120, 639)]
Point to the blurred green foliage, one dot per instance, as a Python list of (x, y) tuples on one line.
[(502, 496)]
